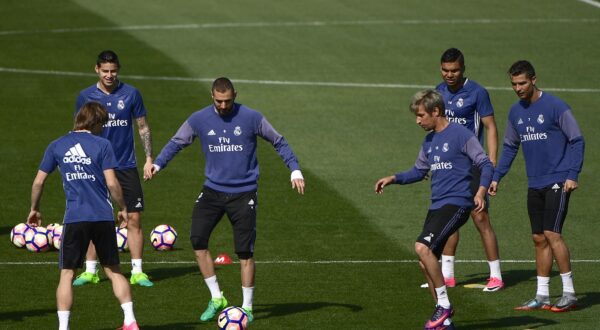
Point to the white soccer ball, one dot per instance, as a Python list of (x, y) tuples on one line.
[(122, 241), (17, 234), (36, 239), (57, 236)]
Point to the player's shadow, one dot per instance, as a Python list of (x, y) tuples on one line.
[(164, 273), (531, 322), (21, 315), (278, 310), (170, 326), (510, 277)]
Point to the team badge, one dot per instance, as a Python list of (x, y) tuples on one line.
[(540, 119), (445, 147), (460, 102), (237, 131), (121, 105)]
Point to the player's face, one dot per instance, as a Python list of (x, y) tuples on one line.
[(223, 101), (424, 119), (108, 75), (523, 86), (452, 73)]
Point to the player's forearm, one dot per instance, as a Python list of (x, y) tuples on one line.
[(117, 194), (146, 137), (492, 144), (36, 195)]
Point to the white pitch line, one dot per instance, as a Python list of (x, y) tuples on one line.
[(277, 82), (307, 24), (592, 3), (315, 262)]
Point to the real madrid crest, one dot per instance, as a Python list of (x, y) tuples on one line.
[(460, 102), (237, 131), (445, 147), (121, 105), (540, 119)]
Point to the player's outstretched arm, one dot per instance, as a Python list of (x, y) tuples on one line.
[(35, 217), (384, 182)]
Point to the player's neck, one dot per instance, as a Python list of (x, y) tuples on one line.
[(107, 89), (459, 85), (441, 124), (535, 96)]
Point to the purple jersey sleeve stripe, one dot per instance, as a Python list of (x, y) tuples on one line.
[(267, 132), (417, 173), (509, 152), (476, 153), (184, 137)]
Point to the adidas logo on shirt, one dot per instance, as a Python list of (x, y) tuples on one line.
[(211, 132), (76, 155)]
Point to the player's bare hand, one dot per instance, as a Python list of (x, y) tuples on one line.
[(570, 185), (493, 189), (34, 218), (122, 219), (148, 169), (298, 184), (479, 203), (383, 182)]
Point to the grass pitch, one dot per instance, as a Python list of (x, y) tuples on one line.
[(335, 78)]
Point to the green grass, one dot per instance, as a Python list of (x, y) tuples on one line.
[(346, 138)]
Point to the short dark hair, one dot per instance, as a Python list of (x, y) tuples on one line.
[(90, 116), (108, 56), (520, 67), (453, 55), (222, 85)]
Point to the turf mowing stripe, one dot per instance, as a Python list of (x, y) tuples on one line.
[(591, 2), (276, 82), (510, 261), (309, 24)]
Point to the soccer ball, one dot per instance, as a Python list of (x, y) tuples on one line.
[(163, 237), (36, 239), (57, 236), (232, 318), (50, 231), (122, 239), (17, 234)]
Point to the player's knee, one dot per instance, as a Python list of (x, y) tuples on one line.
[(244, 255), (199, 243)]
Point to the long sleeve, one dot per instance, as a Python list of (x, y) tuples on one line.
[(183, 138), (509, 152)]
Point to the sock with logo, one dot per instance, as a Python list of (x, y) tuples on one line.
[(442, 296), (213, 286), (136, 266), (448, 266)]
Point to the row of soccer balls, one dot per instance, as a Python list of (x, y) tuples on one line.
[(40, 239)]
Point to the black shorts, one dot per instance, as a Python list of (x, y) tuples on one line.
[(129, 179), (475, 184), (547, 208), (210, 207), (76, 238), (440, 224)]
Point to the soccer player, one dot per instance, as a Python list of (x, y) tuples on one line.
[(448, 151), (553, 149), (86, 164), (227, 133), (124, 104), (468, 103)]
